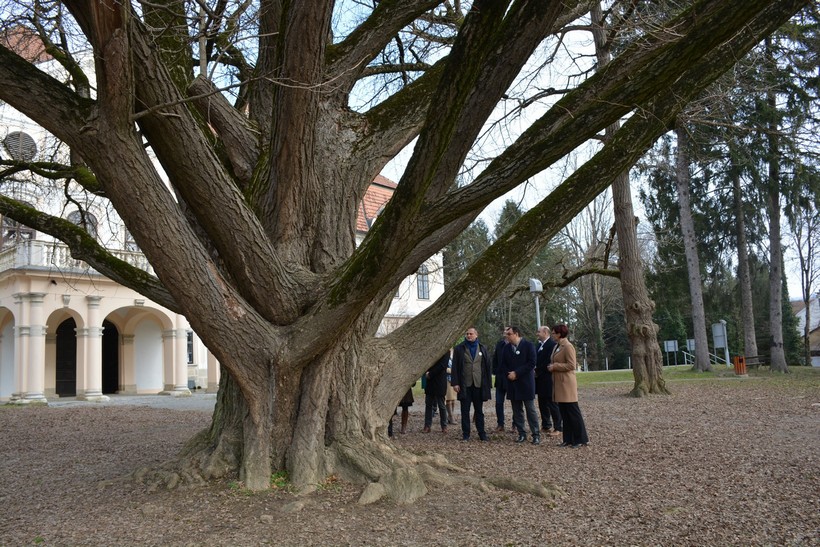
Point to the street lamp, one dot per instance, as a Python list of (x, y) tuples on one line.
[(536, 288)]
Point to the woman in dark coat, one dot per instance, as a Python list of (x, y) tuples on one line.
[(434, 391), (565, 389)]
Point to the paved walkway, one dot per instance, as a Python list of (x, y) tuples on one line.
[(197, 401)]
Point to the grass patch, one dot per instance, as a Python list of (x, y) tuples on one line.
[(808, 376)]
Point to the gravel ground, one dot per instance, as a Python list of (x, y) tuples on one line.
[(731, 462)]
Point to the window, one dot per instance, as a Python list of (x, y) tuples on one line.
[(130, 244), (190, 347), (87, 221), (423, 283)]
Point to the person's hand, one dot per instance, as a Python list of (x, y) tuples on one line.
[(457, 389), (511, 375), (549, 368), (427, 374)]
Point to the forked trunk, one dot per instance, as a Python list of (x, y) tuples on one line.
[(328, 421), (647, 361)]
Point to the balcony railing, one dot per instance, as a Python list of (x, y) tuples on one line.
[(45, 255)]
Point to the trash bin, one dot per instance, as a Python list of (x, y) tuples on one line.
[(740, 365)]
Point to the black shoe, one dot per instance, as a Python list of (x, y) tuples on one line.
[(579, 445), (465, 438), (521, 438), (536, 440), (483, 438), (565, 443)]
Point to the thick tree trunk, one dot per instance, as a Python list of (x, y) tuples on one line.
[(647, 361), (746, 305), (690, 245)]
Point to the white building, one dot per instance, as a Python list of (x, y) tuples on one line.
[(66, 330), (417, 291), (799, 310)]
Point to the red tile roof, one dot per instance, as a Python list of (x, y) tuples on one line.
[(377, 195)]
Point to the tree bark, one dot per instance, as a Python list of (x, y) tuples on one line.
[(690, 246), (778, 355), (647, 361), (745, 278)]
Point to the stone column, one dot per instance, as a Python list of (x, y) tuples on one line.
[(92, 338), (168, 352), (128, 366), (36, 369), (213, 373), (181, 359), (51, 365), (21, 332)]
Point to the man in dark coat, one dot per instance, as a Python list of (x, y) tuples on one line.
[(500, 380), (434, 390), (470, 378), (543, 384), (518, 362)]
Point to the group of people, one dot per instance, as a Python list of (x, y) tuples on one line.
[(523, 374)]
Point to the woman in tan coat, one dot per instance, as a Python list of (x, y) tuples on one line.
[(565, 389)]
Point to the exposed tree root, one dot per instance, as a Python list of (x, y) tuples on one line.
[(198, 463), (403, 477), (386, 471), (643, 389)]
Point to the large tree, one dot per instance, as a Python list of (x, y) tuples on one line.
[(647, 362), (255, 243)]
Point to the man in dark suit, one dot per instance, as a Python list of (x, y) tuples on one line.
[(518, 362), (543, 384), (470, 378), (500, 379)]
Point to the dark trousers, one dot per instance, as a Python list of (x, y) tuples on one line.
[(472, 396), (500, 397), (550, 414), (575, 432), (532, 417), (430, 401)]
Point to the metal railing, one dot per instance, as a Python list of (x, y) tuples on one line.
[(689, 359)]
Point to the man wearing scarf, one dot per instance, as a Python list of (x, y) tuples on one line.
[(471, 381)]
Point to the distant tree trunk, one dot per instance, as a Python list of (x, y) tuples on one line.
[(805, 231), (647, 361), (690, 245), (745, 278), (778, 356)]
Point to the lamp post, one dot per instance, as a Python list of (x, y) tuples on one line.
[(536, 288)]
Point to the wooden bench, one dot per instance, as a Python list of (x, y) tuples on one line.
[(756, 361)]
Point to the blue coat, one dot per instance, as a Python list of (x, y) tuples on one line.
[(522, 362)]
